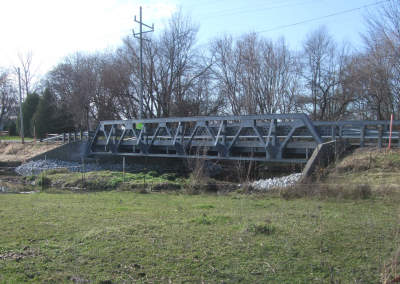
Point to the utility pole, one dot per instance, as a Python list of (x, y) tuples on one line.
[(141, 56), (20, 107)]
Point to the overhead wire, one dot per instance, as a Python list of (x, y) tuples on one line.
[(280, 27), (319, 18), (188, 6), (268, 8), (241, 8)]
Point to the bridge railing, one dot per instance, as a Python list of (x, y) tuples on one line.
[(67, 137), (360, 133)]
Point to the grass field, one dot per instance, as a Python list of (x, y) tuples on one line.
[(342, 228), (126, 237)]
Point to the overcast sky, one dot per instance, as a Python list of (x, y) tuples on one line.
[(52, 29)]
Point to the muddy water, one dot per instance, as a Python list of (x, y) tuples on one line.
[(7, 187)]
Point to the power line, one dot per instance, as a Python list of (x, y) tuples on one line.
[(242, 8), (294, 24), (319, 18), (202, 3)]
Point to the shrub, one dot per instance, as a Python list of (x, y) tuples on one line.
[(170, 177), (362, 191), (153, 174), (44, 180)]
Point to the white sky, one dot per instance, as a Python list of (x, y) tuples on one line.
[(52, 29)]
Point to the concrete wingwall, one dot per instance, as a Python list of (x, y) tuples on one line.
[(72, 152), (322, 154)]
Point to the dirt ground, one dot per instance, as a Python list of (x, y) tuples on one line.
[(18, 152)]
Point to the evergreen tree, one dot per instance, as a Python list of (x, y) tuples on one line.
[(64, 121), (43, 119), (28, 110)]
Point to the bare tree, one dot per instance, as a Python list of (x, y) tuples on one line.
[(382, 49), (8, 92), (173, 68), (255, 75), (324, 66), (227, 73), (29, 75)]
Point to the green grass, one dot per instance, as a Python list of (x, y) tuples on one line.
[(106, 180), (14, 138), (125, 237)]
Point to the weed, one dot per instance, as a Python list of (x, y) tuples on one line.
[(264, 229), (208, 220), (44, 180), (31, 177), (113, 182), (165, 186), (58, 171)]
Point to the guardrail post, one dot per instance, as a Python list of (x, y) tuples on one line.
[(63, 137), (398, 140), (81, 136), (75, 136), (362, 141), (333, 132), (380, 137), (69, 137)]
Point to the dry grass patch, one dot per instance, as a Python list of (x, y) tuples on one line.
[(17, 152), (379, 167)]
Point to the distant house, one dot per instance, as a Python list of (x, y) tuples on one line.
[(11, 116)]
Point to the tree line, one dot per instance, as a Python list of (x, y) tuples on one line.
[(250, 74)]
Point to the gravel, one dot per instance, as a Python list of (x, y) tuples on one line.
[(39, 166), (275, 182)]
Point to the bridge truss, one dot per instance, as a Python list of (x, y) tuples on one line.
[(278, 137)]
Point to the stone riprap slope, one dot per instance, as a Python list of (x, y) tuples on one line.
[(39, 166), (276, 182)]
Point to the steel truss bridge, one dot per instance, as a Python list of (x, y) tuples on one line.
[(278, 137)]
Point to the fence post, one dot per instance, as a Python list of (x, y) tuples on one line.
[(63, 137), (81, 137), (69, 137), (362, 141), (123, 166), (380, 138)]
